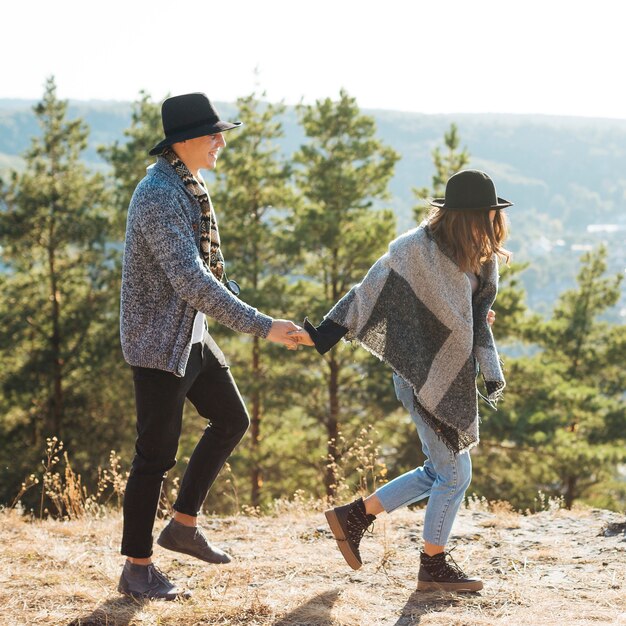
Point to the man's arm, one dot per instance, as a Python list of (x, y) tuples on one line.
[(170, 236)]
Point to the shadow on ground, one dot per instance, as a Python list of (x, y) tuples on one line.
[(420, 603), (113, 612), (316, 611)]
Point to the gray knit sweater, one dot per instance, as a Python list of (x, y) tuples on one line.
[(164, 280)]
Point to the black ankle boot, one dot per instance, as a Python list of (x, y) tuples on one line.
[(349, 523), (442, 572)]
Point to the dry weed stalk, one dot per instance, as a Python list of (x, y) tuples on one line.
[(301, 502), (29, 481), (389, 554), (63, 488), (548, 503), (53, 449), (111, 477), (66, 492), (503, 508), (230, 491), (362, 457)]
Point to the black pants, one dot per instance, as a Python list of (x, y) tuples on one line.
[(160, 397)]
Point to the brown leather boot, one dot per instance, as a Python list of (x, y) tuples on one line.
[(441, 572), (349, 523)]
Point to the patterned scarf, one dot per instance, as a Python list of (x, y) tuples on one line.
[(209, 233)]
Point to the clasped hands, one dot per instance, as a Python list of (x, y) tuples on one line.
[(289, 334)]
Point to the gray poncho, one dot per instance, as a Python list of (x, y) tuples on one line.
[(414, 310)]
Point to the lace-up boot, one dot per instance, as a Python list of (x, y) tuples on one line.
[(190, 540), (148, 582), (348, 524), (442, 572)]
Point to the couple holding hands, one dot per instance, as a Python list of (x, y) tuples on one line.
[(424, 308)]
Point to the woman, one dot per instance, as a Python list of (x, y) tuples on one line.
[(424, 309)]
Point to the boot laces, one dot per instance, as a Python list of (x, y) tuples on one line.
[(358, 524), (199, 535), (156, 575), (447, 567)]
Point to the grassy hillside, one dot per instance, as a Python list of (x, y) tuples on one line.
[(551, 568)]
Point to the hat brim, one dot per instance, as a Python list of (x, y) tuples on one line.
[(200, 131), (440, 203)]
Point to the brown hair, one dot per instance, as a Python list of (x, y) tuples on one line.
[(470, 236)]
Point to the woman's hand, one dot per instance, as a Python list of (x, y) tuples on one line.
[(491, 317)]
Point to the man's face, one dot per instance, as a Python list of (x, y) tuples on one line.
[(205, 150)]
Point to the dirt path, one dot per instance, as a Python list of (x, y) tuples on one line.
[(552, 568)]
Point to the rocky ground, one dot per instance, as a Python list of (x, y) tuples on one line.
[(550, 568)]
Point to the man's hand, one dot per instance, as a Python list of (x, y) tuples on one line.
[(491, 317), (280, 333)]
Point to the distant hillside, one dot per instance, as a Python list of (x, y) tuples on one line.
[(566, 176)]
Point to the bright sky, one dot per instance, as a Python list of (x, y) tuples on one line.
[(433, 56)]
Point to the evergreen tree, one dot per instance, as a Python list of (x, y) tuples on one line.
[(561, 424), (130, 159), (252, 189), (341, 171), (510, 305), (447, 162), (58, 323), (510, 308)]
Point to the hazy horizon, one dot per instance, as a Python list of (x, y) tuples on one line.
[(557, 59), (449, 114)]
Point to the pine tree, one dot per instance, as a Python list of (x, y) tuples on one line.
[(560, 427), (252, 189), (130, 159), (510, 306), (446, 164), (342, 170), (57, 319)]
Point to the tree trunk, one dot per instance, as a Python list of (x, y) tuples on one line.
[(570, 491), (332, 427), (256, 474), (332, 424), (56, 417), (256, 477)]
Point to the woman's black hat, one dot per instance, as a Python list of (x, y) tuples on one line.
[(470, 190), (188, 116)]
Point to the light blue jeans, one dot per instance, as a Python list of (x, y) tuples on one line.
[(443, 478)]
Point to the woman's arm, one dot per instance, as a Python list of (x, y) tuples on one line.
[(324, 337)]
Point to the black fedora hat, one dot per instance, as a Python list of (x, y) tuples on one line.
[(188, 116), (470, 190)]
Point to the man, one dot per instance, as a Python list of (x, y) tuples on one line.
[(172, 276)]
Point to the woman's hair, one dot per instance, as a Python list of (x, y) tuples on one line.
[(470, 236)]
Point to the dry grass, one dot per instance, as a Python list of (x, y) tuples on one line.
[(551, 568)]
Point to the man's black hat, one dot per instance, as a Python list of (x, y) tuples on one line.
[(470, 190), (188, 116)]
